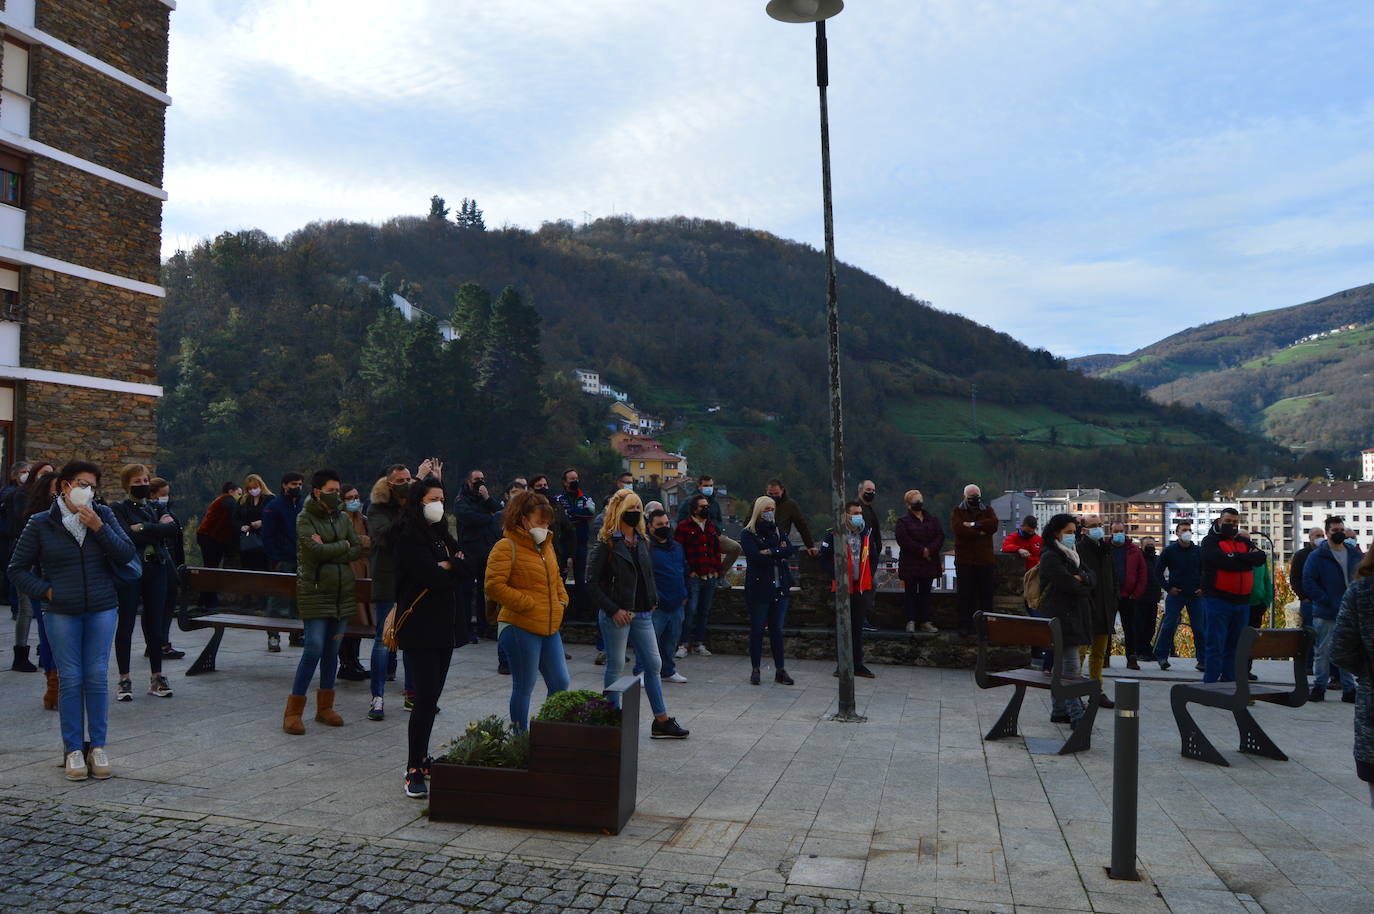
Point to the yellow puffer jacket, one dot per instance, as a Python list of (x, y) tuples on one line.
[(526, 581)]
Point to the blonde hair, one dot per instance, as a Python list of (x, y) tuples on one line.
[(761, 504), (620, 503), (910, 496), (130, 471), (248, 482)]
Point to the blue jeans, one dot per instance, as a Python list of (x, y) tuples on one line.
[(529, 654), (1070, 665), (1174, 605), (668, 629), (81, 647), (322, 639), (641, 634), (772, 609), (699, 594), (1326, 631), (1224, 622), (381, 657)]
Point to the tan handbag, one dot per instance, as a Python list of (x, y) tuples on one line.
[(392, 629)]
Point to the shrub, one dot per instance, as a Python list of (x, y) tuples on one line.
[(580, 707), (489, 743)]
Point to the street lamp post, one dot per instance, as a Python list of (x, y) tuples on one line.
[(818, 11)]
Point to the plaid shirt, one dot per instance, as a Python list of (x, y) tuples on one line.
[(701, 545)]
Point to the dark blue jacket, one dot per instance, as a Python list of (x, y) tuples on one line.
[(1181, 567), (47, 556), (1324, 582), (670, 572), (279, 529), (759, 568)]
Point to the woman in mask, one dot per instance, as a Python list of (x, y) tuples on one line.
[(1066, 584), (767, 583), (248, 528), (151, 530), (350, 666), (620, 572), (33, 489), (523, 578), (428, 626), (920, 538), (66, 558)]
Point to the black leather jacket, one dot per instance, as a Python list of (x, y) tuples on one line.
[(611, 574)]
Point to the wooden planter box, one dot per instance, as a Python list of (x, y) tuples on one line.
[(580, 777)]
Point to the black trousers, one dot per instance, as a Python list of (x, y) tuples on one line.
[(1125, 607), (916, 599), (860, 605), (974, 585), (149, 591), (212, 553), (428, 668)]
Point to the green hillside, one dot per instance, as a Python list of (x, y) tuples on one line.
[(286, 354), (1262, 373)]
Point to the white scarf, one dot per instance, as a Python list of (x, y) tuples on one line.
[(72, 521), (1071, 553)]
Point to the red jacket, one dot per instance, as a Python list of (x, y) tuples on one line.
[(1137, 574), (217, 523), (701, 545), (1014, 542)]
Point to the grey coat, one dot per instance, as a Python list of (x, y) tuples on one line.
[(1352, 649), (47, 557)]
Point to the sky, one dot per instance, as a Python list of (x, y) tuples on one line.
[(1088, 177)]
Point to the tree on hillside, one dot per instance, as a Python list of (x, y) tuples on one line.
[(470, 216), (437, 209)]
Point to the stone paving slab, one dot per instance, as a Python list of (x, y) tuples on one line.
[(910, 808)]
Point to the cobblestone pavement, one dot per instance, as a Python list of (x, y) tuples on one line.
[(57, 856)]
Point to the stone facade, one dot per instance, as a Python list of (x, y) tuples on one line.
[(77, 217), (130, 35), (90, 115), (89, 328), (61, 423)]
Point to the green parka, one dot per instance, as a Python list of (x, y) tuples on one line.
[(324, 577)]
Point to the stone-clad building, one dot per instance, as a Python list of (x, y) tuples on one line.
[(82, 108)]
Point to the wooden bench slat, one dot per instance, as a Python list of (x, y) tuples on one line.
[(1003, 629), (258, 583)]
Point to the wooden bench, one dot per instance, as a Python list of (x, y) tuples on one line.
[(196, 580), (999, 629), (1236, 697)]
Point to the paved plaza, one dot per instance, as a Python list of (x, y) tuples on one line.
[(768, 807)]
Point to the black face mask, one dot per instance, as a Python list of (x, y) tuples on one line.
[(478, 483), (139, 492), (918, 506), (1228, 529), (293, 494), (662, 533), (573, 487), (868, 496), (1337, 537), (631, 518), (974, 501)]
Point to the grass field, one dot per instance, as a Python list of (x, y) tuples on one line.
[(1316, 349)]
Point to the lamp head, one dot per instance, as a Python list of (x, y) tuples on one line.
[(804, 10)]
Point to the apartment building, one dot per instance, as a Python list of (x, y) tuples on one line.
[(1269, 507), (1353, 501)]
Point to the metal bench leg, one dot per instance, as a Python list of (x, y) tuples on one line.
[(205, 663), (1253, 739), (1007, 724), (1082, 736), (1195, 743)]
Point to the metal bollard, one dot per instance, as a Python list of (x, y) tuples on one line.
[(1125, 779)]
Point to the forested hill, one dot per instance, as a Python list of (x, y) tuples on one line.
[(1264, 374), (287, 354)]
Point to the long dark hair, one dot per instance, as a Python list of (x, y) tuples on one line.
[(412, 521), (41, 497), (1056, 526)]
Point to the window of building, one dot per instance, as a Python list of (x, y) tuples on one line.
[(641, 464), (10, 309), (15, 67), (11, 179)]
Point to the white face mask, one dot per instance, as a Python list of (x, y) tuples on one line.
[(434, 511), (1186, 536), (80, 497), (539, 534), (23, 477), (255, 492)]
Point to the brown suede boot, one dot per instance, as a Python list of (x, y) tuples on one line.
[(50, 696), (324, 708), (291, 722)]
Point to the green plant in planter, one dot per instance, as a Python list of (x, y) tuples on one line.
[(489, 743), (580, 707)]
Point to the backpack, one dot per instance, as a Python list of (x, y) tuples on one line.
[(1032, 590)]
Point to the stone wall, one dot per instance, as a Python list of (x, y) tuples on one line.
[(61, 423), (94, 117), (77, 217), (83, 327), (130, 35)]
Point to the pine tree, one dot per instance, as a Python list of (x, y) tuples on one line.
[(437, 209), (471, 317), (470, 216)]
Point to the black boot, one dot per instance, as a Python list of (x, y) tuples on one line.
[(21, 661)]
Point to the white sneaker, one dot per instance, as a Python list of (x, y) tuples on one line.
[(911, 627), (929, 629), (680, 652), (701, 651), (99, 763), (676, 677), (75, 766)]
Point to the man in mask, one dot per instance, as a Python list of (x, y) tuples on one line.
[(700, 539), (729, 549), (1179, 568), (474, 507), (1132, 576), (789, 514), (1229, 561), (580, 509), (670, 580), (19, 475), (279, 541), (1330, 569), (1315, 537), (860, 543), (974, 525)]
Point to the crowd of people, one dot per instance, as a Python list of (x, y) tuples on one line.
[(447, 571)]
